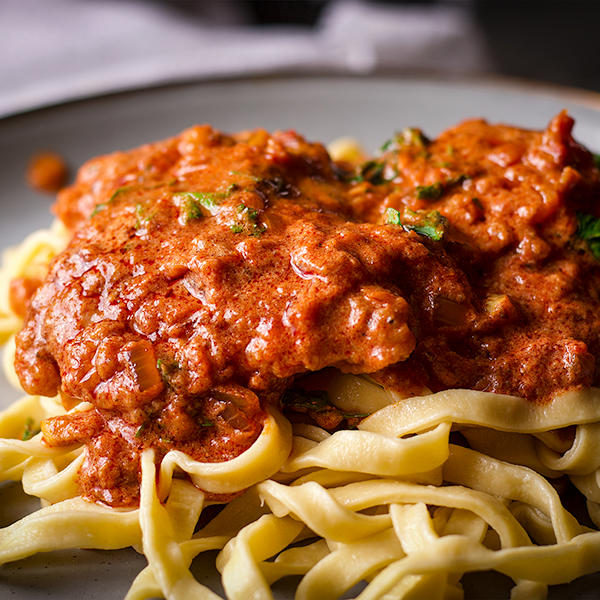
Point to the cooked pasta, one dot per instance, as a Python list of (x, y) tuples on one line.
[(402, 491)]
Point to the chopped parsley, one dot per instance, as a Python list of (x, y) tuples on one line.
[(393, 217), (314, 401), (430, 224), (251, 213), (166, 368), (387, 145), (249, 222), (436, 190), (99, 208), (265, 185), (410, 136), (141, 218), (596, 158), (588, 229), (248, 175), (118, 192), (104, 205), (458, 180), (374, 172), (257, 231), (29, 430), (141, 429), (194, 204), (430, 192), (192, 210)]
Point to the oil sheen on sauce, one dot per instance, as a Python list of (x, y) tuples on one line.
[(208, 272)]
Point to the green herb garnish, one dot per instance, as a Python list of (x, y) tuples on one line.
[(118, 192), (588, 229), (192, 210), (596, 158), (410, 136), (29, 431), (274, 184), (141, 219), (436, 190), (355, 415), (166, 368), (141, 429), (387, 145), (431, 224), (314, 401), (248, 175), (251, 213), (104, 205), (458, 180), (257, 231), (430, 192), (99, 208), (250, 222), (194, 204), (373, 171), (393, 217)]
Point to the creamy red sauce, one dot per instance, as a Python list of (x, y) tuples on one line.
[(47, 172), (207, 272)]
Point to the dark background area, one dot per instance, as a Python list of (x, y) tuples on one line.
[(545, 40), (57, 50), (555, 41)]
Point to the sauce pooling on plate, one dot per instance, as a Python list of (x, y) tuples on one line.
[(207, 272)]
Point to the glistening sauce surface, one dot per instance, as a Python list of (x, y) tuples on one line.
[(207, 271)]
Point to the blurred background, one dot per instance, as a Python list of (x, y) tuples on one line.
[(57, 50)]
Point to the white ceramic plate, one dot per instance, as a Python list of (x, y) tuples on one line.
[(321, 108)]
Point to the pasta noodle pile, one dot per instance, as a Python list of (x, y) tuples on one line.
[(396, 503)]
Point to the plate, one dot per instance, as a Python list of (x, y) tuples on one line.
[(321, 108)]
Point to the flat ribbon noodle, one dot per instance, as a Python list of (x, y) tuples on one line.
[(496, 411), (260, 461), (72, 523)]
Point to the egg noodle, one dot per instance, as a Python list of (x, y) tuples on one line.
[(394, 503)]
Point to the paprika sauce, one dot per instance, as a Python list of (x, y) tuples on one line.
[(207, 272)]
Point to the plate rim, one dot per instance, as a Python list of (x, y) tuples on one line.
[(586, 98), (583, 98)]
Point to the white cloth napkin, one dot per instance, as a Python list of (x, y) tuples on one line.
[(58, 50)]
